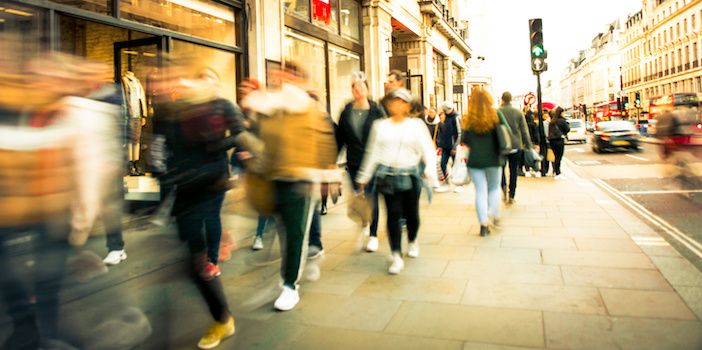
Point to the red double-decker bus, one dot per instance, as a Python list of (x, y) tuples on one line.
[(661, 104), (609, 111)]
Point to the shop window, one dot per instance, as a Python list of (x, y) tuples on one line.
[(342, 65), (21, 32), (201, 18), (99, 6), (324, 17), (350, 14), (309, 54), (201, 57), (297, 8)]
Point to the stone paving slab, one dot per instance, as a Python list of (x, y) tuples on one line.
[(650, 304), (412, 288), (607, 277), (597, 259), (329, 338)]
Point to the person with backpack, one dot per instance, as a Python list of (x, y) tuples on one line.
[(558, 128), (520, 142), (448, 140)]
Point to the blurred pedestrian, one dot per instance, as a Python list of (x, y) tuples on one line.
[(396, 80), (299, 154), (545, 163), (396, 148), (433, 122), (558, 129), (352, 131), (484, 160), (196, 137), (533, 135), (448, 139), (521, 142)]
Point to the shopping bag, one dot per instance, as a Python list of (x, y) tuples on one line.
[(533, 159), (459, 171), (550, 156), (360, 209), (439, 173)]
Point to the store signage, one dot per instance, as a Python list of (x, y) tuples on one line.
[(322, 10)]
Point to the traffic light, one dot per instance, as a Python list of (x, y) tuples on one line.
[(536, 39), (619, 104), (626, 101), (637, 102)]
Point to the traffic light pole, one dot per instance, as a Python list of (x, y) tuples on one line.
[(542, 134)]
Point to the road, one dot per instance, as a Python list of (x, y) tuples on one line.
[(644, 182)]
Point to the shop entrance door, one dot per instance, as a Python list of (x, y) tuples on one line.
[(136, 61)]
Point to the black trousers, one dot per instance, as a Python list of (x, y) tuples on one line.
[(514, 161), (558, 146), (398, 206)]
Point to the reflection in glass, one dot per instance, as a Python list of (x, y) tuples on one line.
[(297, 8), (222, 62), (342, 66), (21, 29), (202, 18), (99, 6), (350, 13), (309, 54)]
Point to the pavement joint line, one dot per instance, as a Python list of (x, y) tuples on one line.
[(691, 244), (661, 192), (637, 157)]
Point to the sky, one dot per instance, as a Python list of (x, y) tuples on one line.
[(499, 31)]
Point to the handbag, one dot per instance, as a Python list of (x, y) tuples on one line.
[(550, 156), (504, 136), (360, 209), (533, 159)]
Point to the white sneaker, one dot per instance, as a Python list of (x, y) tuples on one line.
[(527, 174), (413, 250), (560, 177), (397, 265), (287, 299), (372, 245), (458, 189), (115, 257), (257, 244), (441, 189)]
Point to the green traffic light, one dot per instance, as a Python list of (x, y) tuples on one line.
[(537, 51)]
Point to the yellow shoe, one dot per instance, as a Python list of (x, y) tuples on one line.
[(216, 333)]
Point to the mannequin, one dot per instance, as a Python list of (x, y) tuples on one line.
[(137, 112)]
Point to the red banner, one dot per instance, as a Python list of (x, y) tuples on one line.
[(321, 10)]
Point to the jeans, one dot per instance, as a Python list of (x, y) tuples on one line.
[(316, 229), (558, 146), (514, 162), (487, 192), (263, 222), (191, 221), (295, 206), (203, 215), (374, 222), (445, 155), (403, 205)]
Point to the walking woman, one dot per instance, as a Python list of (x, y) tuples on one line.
[(396, 150), (557, 131), (484, 160)]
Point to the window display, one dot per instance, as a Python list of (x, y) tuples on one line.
[(350, 14), (342, 65)]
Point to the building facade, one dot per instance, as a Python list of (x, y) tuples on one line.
[(594, 76), (661, 51), (424, 39)]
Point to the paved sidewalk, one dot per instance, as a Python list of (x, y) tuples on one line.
[(571, 269)]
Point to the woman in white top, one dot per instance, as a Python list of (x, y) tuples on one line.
[(399, 151)]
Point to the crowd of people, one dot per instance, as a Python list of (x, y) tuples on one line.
[(283, 140)]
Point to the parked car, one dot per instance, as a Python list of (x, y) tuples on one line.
[(577, 132), (615, 135)]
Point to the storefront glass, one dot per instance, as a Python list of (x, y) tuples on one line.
[(222, 62), (297, 8), (350, 13), (22, 30), (202, 18), (330, 23), (99, 6), (309, 54), (439, 78), (342, 65)]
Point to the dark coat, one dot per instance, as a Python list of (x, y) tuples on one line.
[(345, 136), (558, 129), (448, 134)]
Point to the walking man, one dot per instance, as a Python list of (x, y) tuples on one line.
[(448, 140), (520, 140)]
